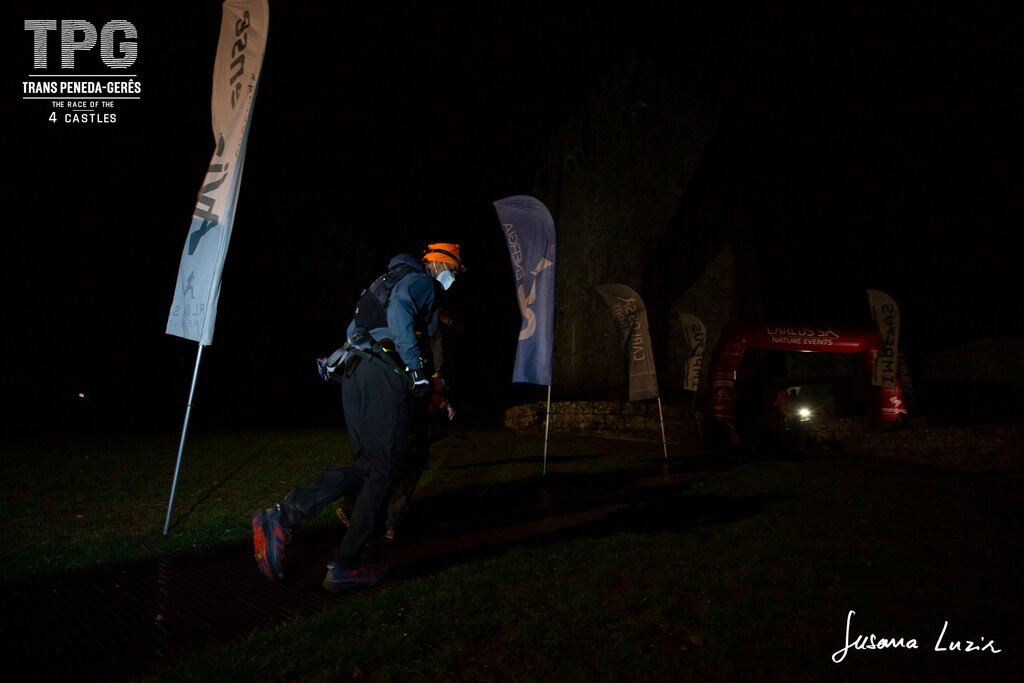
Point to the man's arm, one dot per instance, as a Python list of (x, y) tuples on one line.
[(413, 297)]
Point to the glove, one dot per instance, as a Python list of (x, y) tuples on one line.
[(438, 401), (421, 386)]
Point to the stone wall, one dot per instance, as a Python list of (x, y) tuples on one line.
[(637, 420), (987, 448)]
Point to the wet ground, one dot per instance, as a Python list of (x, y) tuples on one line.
[(127, 620)]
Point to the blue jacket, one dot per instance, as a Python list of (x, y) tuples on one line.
[(412, 306)]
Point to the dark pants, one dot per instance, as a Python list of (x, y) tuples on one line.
[(377, 415), (414, 464)]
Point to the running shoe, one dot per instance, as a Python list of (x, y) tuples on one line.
[(339, 579), (269, 539)]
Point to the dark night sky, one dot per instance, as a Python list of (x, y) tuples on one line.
[(380, 128)]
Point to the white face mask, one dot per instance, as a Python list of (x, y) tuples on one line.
[(446, 279)]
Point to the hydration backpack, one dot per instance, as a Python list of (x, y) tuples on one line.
[(371, 309), (370, 313)]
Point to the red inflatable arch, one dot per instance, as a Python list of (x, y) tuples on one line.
[(737, 337)]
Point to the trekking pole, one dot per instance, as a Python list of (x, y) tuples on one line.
[(461, 434), (462, 406)]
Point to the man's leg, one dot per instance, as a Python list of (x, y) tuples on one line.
[(307, 501), (377, 405), (272, 528), (412, 466)]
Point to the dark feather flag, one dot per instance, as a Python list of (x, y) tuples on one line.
[(631, 318), (886, 315), (696, 336), (530, 234), (630, 314)]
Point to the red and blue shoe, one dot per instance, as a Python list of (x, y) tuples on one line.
[(339, 579), (269, 540)]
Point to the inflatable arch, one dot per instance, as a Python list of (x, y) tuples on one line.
[(737, 337)]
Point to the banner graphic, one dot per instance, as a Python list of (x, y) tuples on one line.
[(243, 40), (627, 308), (530, 234), (696, 338), (886, 315)]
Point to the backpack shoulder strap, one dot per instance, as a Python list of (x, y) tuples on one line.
[(383, 285), (371, 309)]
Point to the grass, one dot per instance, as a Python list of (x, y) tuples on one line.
[(75, 501), (747, 575)]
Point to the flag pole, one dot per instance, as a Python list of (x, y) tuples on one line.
[(547, 420), (236, 72), (181, 444), (661, 418)]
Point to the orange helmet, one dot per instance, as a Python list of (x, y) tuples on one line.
[(445, 253)]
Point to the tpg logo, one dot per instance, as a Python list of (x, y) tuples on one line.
[(117, 40)]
